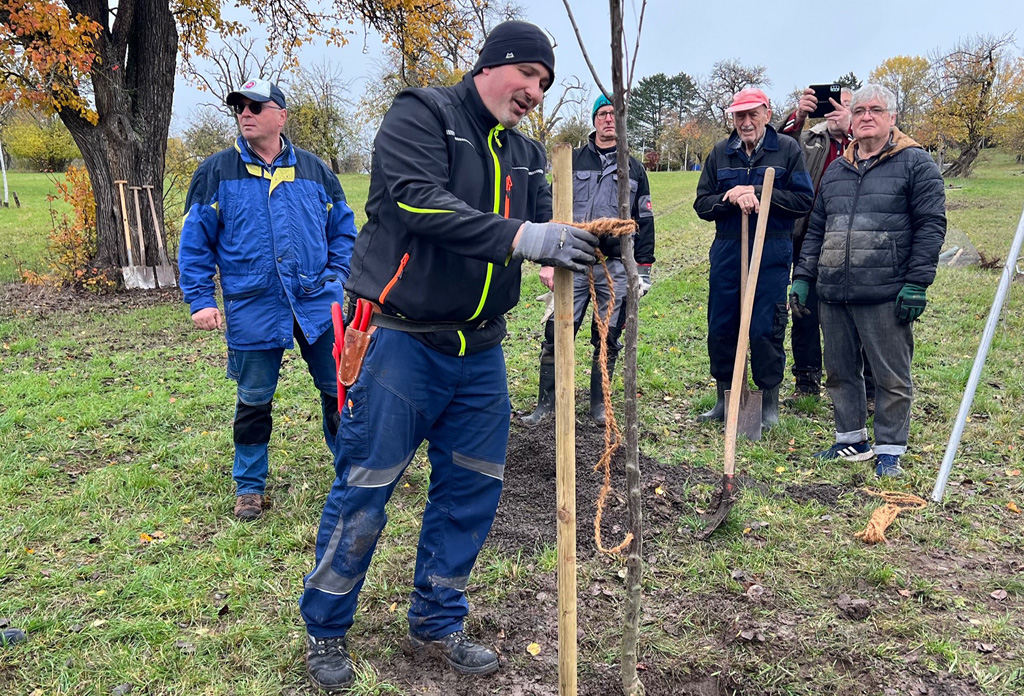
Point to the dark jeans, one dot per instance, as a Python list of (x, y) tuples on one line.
[(257, 372), (848, 330), (806, 337), (768, 320), (407, 393)]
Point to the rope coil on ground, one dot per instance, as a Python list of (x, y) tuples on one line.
[(884, 515)]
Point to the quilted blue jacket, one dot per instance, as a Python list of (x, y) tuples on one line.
[(281, 237)]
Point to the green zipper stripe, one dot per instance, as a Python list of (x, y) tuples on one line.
[(423, 211), (491, 137), (462, 341)]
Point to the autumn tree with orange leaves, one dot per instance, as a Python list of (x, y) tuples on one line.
[(107, 70)]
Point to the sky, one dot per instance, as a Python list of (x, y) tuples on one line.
[(797, 46)]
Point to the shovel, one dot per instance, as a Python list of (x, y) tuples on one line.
[(749, 420), (164, 272), (726, 495), (134, 276), (149, 278)]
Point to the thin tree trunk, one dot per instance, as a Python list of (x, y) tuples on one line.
[(631, 684)]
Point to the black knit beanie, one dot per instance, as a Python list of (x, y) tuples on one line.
[(516, 42)]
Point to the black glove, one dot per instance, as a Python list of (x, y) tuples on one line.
[(556, 244)]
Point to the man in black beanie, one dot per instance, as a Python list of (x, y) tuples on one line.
[(458, 199)]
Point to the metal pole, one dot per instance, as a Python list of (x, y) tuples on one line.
[(1009, 269)]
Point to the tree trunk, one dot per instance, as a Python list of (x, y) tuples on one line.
[(962, 165), (133, 88), (631, 684)]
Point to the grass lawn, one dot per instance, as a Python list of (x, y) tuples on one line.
[(122, 561)]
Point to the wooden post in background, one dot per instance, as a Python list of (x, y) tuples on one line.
[(565, 434)]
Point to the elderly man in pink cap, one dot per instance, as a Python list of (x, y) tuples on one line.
[(729, 188)]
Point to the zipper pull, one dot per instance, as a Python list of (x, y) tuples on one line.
[(508, 190)]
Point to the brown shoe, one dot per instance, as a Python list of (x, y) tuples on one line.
[(248, 506)]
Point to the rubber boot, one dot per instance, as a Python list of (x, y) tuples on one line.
[(545, 396), (717, 412), (770, 407), (597, 390)]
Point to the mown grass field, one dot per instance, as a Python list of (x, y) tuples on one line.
[(122, 561)]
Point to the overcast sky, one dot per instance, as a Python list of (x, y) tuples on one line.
[(798, 46)]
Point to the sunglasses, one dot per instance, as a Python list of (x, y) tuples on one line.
[(255, 108)]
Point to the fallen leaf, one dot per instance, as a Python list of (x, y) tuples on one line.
[(159, 535), (533, 649), (904, 593), (755, 591), (659, 490), (145, 538), (185, 647), (1012, 507), (999, 595), (1013, 472), (393, 608), (779, 469), (98, 622), (985, 647), (121, 690)]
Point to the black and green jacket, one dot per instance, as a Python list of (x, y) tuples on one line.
[(449, 188)]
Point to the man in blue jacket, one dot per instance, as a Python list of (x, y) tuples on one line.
[(273, 220), (453, 190), (730, 187)]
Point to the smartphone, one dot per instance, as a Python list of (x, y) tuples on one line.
[(823, 93)]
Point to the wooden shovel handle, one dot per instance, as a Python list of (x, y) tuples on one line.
[(746, 308), (157, 227), (124, 220), (138, 222)]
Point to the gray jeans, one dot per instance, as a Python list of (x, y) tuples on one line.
[(580, 302), (889, 347)]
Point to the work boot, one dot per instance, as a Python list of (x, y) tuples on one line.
[(328, 663), (545, 396), (10, 636), (597, 390), (717, 412), (465, 656), (248, 506), (770, 407)]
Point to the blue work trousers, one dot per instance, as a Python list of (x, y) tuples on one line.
[(768, 320), (257, 372), (407, 393)]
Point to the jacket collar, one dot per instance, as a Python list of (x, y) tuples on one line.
[(898, 141), (769, 141), (286, 158), (470, 97)]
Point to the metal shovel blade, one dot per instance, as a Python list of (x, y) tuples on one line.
[(165, 276), (749, 420), (136, 277), (722, 500)]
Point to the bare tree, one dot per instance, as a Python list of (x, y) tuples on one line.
[(230, 65), (543, 121), (715, 91)]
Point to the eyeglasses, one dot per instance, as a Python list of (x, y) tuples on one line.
[(875, 111), (255, 108), (604, 115)]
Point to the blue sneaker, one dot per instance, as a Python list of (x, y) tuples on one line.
[(850, 451), (888, 465)]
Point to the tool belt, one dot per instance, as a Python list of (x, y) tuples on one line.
[(386, 321)]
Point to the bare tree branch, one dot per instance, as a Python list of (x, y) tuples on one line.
[(586, 56)]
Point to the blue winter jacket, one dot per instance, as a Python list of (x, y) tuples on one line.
[(281, 237)]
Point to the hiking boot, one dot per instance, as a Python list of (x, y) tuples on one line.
[(248, 506), (770, 407), (545, 396), (850, 451), (597, 390), (328, 663), (717, 412), (10, 636), (888, 465), (465, 656)]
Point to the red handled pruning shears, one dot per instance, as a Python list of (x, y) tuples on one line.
[(360, 322)]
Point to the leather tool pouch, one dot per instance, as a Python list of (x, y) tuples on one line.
[(356, 344)]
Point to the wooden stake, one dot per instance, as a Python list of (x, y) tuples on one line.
[(565, 435)]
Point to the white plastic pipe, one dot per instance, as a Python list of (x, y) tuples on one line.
[(1009, 269)]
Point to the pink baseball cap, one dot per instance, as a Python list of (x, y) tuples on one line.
[(747, 99)]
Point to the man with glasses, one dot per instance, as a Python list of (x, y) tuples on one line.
[(872, 247), (729, 188), (596, 195), (272, 220)]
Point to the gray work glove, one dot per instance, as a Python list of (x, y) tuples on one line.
[(644, 271), (556, 244)]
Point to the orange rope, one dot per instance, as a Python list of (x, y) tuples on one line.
[(883, 516)]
